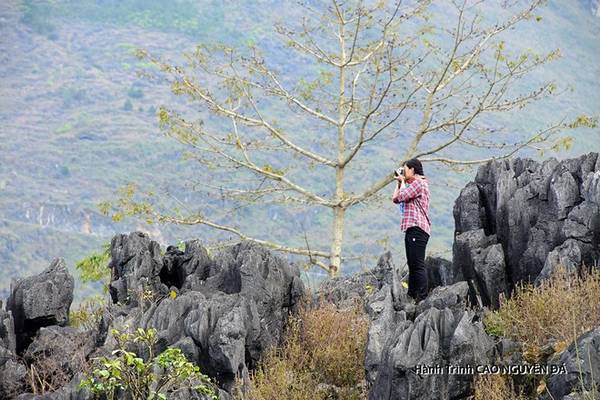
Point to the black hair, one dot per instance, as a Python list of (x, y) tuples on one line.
[(416, 165)]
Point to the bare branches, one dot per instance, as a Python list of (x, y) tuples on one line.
[(538, 137), (287, 249), (367, 76), (210, 139)]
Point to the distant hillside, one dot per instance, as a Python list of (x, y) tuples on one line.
[(76, 122)]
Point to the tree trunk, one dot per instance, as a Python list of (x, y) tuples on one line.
[(339, 211), (336, 244)]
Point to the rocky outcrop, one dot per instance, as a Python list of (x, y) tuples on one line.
[(582, 363), (520, 219), (35, 303), (12, 370), (223, 312), (516, 222), (40, 300), (227, 310), (441, 330), (345, 291)]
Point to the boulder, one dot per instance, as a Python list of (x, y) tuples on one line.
[(12, 370), (470, 212), (434, 340), (39, 301), (384, 320), (13, 377), (480, 260), (440, 272), (222, 312), (135, 266), (534, 211), (8, 339), (59, 353), (582, 363), (345, 291)]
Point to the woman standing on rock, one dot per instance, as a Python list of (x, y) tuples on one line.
[(413, 191)]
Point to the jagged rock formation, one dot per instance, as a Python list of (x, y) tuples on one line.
[(35, 302), (41, 300), (440, 330), (12, 371), (516, 222), (228, 310), (222, 312), (582, 362), (519, 219)]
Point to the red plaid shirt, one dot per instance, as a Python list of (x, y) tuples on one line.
[(417, 191)]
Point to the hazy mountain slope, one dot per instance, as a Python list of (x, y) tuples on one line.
[(76, 122)]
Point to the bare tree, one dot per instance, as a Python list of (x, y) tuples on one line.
[(382, 67)]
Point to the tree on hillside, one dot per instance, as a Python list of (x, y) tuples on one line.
[(359, 73)]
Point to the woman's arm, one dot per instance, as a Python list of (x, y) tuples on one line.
[(401, 185), (405, 193)]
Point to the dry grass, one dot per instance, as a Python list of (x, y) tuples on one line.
[(321, 358), (495, 387), (557, 311), (88, 314), (554, 313), (55, 365)]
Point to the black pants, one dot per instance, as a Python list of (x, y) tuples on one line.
[(415, 242)]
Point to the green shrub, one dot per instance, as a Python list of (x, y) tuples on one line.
[(94, 268), (160, 376)]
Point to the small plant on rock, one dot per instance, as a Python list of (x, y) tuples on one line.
[(159, 377)]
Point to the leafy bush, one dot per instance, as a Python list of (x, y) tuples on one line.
[(94, 268), (322, 358), (160, 376)]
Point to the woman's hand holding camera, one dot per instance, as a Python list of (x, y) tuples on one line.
[(399, 176)]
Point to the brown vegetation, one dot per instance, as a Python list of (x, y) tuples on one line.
[(556, 312), (544, 319), (322, 358)]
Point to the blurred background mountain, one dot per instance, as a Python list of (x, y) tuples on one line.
[(77, 123)]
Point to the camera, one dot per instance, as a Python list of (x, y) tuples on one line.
[(399, 171)]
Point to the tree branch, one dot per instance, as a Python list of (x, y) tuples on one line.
[(200, 220)]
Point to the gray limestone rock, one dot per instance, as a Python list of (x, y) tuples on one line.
[(567, 255), (435, 339), (135, 264), (40, 300), (13, 378), (345, 291), (8, 339), (531, 209), (582, 363), (226, 311)]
